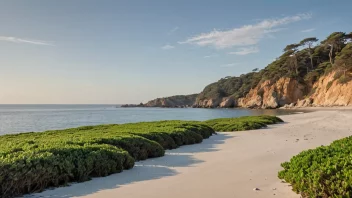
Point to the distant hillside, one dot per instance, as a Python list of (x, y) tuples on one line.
[(226, 91), (297, 77), (173, 101)]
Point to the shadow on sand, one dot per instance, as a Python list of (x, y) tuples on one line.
[(149, 169)]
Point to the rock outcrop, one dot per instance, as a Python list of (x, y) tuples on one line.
[(270, 95), (329, 92), (326, 92), (228, 102), (307, 102)]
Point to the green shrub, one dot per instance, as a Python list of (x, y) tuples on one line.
[(338, 74), (56, 164), (312, 76), (31, 162), (138, 147), (242, 123), (322, 172), (344, 79)]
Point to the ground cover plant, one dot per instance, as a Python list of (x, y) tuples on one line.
[(31, 162), (322, 172), (242, 123)]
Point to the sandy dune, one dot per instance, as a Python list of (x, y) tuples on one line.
[(226, 165)]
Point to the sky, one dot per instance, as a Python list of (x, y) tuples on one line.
[(117, 52)]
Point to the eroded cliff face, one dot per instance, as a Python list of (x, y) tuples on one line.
[(286, 93), (270, 95), (329, 92)]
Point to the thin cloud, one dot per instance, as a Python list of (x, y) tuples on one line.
[(210, 56), (173, 30), (229, 65), (308, 30), (244, 36), (27, 41), (167, 47), (245, 51)]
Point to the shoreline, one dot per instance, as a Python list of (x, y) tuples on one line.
[(325, 108), (279, 108), (225, 165), (119, 117)]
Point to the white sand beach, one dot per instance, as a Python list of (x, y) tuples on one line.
[(226, 165)]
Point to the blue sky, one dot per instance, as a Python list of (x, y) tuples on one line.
[(112, 51)]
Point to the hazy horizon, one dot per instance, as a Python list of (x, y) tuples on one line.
[(127, 52)]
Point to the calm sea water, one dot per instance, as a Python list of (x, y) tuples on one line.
[(26, 118)]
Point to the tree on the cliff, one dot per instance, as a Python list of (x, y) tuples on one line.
[(291, 51), (335, 41), (344, 59), (309, 42)]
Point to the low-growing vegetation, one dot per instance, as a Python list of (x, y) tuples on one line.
[(31, 162), (242, 123), (322, 172)]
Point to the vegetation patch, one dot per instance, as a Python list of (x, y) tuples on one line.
[(322, 172), (242, 123), (32, 162), (338, 74), (345, 79)]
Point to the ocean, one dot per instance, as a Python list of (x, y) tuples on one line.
[(35, 118)]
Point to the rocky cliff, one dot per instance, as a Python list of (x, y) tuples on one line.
[(270, 95), (328, 91), (173, 101), (289, 93)]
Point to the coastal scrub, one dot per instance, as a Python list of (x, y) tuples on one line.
[(242, 123), (322, 172), (32, 162)]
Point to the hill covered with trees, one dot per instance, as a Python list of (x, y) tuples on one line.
[(292, 75), (306, 70)]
